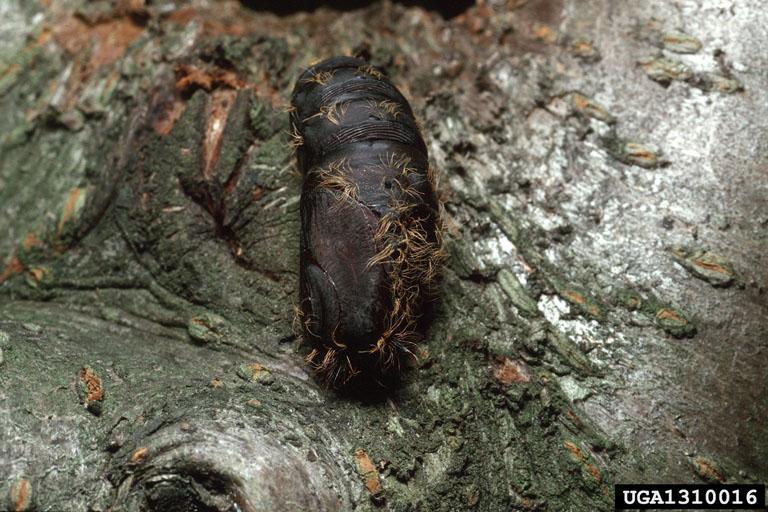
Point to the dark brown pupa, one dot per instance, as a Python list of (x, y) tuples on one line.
[(370, 221)]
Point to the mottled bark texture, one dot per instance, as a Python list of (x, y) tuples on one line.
[(603, 312)]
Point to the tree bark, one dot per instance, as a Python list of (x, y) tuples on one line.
[(602, 316)]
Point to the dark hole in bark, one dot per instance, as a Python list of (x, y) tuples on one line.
[(447, 10), (169, 498), (198, 489)]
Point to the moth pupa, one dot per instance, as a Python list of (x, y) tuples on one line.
[(370, 221)]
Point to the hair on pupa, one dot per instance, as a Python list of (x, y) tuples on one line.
[(371, 229)]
